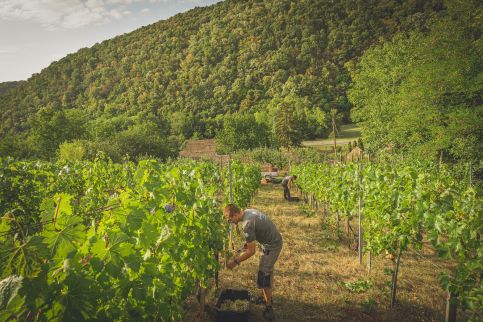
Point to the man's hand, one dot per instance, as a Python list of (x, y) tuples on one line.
[(231, 263), (247, 251)]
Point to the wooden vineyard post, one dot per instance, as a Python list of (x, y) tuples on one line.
[(217, 273), (394, 279), (230, 235), (359, 206), (230, 173), (337, 220), (334, 131), (451, 307), (202, 304), (369, 261), (201, 299)]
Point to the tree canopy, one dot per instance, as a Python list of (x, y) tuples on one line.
[(242, 132), (419, 94), (186, 72)]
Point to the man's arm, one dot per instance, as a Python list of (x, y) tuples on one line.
[(247, 253)]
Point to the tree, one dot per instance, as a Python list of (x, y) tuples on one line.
[(242, 132), (287, 124), (145, 139), (72, 151), (418, 93), (52, 126), (179, 124)]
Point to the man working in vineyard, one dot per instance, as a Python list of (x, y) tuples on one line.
[(257, 227), (285, 182)]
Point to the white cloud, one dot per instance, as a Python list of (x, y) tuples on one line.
[(65, 14), (70, 14)]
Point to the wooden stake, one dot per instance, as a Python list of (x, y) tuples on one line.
[(217, 273), (451, 307), (394, 279), (369, 261), (230, 178), (337, 219)]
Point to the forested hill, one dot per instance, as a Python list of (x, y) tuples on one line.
[(5, 86), (179, 77)]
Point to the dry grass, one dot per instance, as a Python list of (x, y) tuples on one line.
[(311, 270)]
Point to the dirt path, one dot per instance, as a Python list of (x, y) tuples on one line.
[(313, 267)]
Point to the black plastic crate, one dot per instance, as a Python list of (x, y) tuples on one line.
[(232, 316)]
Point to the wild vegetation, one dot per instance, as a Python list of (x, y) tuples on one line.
[(419, 94), (144, 92)]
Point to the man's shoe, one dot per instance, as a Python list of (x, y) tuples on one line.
[(268, 313), (260, 300)]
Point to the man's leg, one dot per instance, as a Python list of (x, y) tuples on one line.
[(265, 279), (267, 295), (286, 193)]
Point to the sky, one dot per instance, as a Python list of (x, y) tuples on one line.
[(34, 33)]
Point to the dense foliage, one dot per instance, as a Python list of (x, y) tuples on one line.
[(105, 241), (245, 180), (242, 132), (5, 86), (420, 94), (178, 78), (401, 205)]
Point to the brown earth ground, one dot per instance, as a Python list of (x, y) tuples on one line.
[(313, 267)]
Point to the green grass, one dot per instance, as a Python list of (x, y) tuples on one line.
[(348, 133)]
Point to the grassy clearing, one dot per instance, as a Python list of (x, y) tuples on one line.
[(318, 277), (348, 133)]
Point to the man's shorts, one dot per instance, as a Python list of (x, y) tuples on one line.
[(268, 257)]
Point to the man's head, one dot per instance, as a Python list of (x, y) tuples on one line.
[(294, 177), (232, 213)]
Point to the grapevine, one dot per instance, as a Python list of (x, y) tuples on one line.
[(400, 204)]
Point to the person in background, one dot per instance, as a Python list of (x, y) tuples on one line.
[(285, 182), (257, 227)]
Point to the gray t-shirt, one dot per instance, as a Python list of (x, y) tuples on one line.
[(286, 180), (257, 226)]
